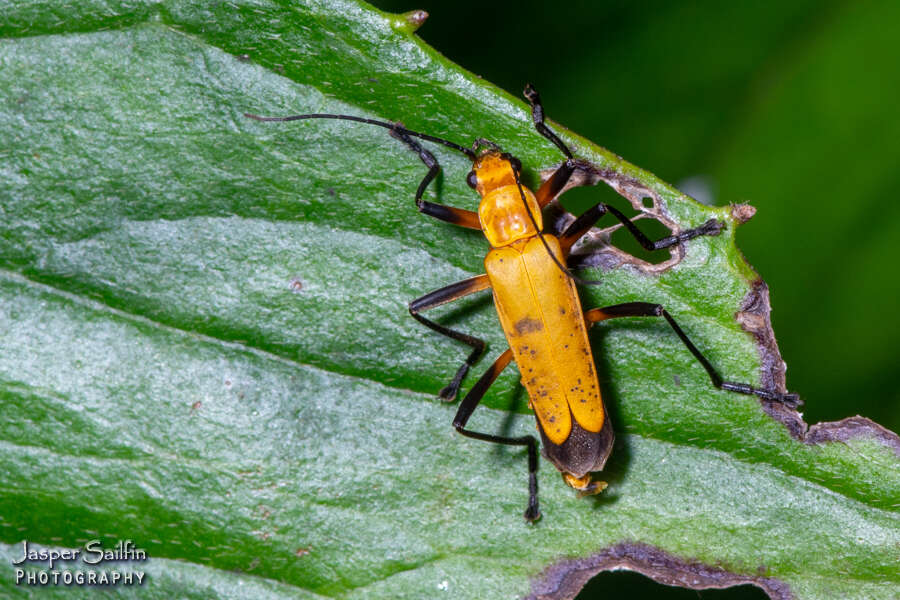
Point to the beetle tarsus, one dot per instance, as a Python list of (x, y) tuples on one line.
[(537, 116), (448, 394), (788, 399), (532, 513), (712, 227)]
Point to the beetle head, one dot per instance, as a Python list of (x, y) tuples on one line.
[(493, 169)]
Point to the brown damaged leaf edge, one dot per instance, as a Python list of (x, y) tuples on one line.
[(565, 579), (754, 317), (753, 314)]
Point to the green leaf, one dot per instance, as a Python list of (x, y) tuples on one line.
[(206, 347)]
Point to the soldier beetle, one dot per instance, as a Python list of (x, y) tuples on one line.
[(537, 303)]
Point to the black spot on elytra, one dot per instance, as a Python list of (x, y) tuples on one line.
[(528, 325)]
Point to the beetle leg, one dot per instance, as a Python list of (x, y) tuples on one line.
[(551, 188), (457, 216), (467, 407), (589, 218), (446, 294), (537, 115), (554, 185), (647, 309)]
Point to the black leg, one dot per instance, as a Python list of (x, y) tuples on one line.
[(587, 220), (537, 115), (457, 216), (646, 309), (442, 296), (467, 407)]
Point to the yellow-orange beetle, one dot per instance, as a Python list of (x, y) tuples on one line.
[(541, 314), (537, 304)]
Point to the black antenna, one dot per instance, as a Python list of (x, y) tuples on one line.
[(470, 153), (562, 267), (387, 125)]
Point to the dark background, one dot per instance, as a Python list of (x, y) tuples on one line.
[(790, 106)]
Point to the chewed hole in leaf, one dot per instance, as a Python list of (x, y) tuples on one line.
[(579, 199), (628, 584)]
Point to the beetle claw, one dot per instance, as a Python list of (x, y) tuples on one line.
[(532, 513), (790, 400), (712, 227)]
